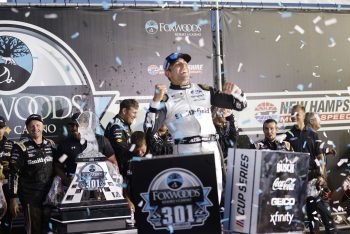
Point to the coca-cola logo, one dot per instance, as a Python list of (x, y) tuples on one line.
[(287, 185)]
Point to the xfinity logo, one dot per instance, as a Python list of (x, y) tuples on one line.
[(285, 165), (288, 184), (279, 218), (282, 201)]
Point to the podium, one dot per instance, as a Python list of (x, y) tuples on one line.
[(94, 201), (176, 194), (265, 191)]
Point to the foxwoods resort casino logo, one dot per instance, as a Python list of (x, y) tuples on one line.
[(179, 30), (91, 177), (16, 63), (176, 200)]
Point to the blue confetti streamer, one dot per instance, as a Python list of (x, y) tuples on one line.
[(118, 60), (224, 220), (88, 211), (300, 87), (50, 226), (338, 189), (309, 85), (171, 229), (304, 144), (75, 35), (136, 158)]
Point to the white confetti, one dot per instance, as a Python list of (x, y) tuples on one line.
[(140, 204), (63, 158), (278, 38), (257, 31), (299, 29), (325, 134), (27, 14), (178, 38), (201, 42), (102, 83), (14, 10), (318, 30), (132, 147), (342, 161), (122, 24), (317, 19), (239, 67), (187, 39), (330, 21), (75, 35), (340, 70), (118, 60), (315, 75), (51, 16), (114, 17), (157, 53)]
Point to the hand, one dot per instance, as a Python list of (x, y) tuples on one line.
[(14, 208), (159, 92), (228, 88)]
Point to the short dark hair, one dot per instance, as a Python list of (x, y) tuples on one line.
[(129, 103), (269, 121), (308, 117), (138, 138)]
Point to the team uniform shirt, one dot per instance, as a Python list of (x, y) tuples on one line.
[(5, 155), (159, 145), (72, 147), (119, 134), (31, 170), (227, 134), (307, 141), (186, 110)]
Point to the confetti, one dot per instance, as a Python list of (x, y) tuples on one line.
[(195, 6), (224, 220), (105, 5), (286, 14), (88, 211), (51, 16), (303, 43), (309, 85), (318, 30), (27, 14), (239, 67), (342, 161), (300, 87), (257, 31), (304, 144), (122, 24), (136, 158), (14, 10), (262, 76), (118, 60), (299, 29), (140, 204), (171, 229), (332, 42), (63, 158), (132, 147), (102, 83), (187, 39), (317, 19), (315, 75), (201, 42), (330, 21), (114, 17), (338, 189), (278, 38), (75, 35)]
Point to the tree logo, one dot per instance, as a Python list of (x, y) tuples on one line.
[(151, 27), (16, 63)]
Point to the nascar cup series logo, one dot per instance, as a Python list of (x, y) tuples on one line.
[(176, 200), (91, 177), (179, 30)]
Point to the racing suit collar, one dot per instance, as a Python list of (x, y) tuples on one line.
[(172, 86)]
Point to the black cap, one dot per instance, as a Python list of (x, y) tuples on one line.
[(2, 122), (73, 119), (34, 117), (172, 58)]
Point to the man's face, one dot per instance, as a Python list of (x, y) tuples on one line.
[(73, 130), (316, 122), (129, 115), (270, 131), (2, 132), (140, 151), (178, 72), (35, 129), (297, 115)]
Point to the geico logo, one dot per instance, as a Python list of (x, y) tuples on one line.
[(283, 201), (23, 106), (179, 27)]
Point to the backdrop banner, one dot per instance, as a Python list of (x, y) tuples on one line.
[(57, 61)]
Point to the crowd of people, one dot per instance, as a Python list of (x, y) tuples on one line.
[(183, 118)]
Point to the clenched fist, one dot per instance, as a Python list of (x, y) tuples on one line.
[(159, 92)]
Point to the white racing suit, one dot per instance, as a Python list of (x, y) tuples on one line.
[(186, 110)]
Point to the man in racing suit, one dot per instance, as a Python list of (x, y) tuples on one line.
[(5, 155), (31, 172), (185, 108)]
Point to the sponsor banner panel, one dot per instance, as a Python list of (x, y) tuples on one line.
[(177, 194), (267, 192)]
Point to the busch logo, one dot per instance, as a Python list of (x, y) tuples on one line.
[(285, 165), (279, 218), (288, 184)]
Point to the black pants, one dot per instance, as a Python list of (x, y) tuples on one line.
[(36, 218), (6, 221), (315, 206)]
